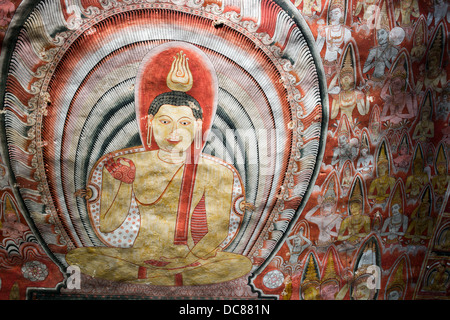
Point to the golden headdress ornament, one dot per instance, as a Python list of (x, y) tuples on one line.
[(382, 157), (398, 282), (426, 196), (347, 65), (356, 193), (418, 158), (383, 18), (344, 126), (9, 209), (364, 142), (330, 194), (397, 198), (436, 48), (180, 76), (399, 70), (311, 277), (441, 158), (337, 4), (420, 31), (427, 103), (330, 271)]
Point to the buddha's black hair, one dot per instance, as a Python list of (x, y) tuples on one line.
[(176, 98)]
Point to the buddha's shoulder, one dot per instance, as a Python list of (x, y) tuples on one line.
[(136, 155), (213, 164)]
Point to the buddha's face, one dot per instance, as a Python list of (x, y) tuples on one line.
[(355, 208), (362, 292), (419, 38), (335, 16), (327, 207), (364, 152), (441, 168), (382, 36), (311, 293), (174, 128), (423, 211), (396, 210), (397, 84), (343, 140), (347, 82), (403, 149), (383, 169)]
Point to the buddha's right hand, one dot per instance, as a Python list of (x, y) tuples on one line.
[(121, 169)]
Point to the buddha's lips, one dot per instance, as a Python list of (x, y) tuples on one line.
[(174, 140)]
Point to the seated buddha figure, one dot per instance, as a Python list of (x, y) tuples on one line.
[(183, 197)]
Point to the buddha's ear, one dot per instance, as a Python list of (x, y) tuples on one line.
[(149, 119), (198, 137), (149, 130)]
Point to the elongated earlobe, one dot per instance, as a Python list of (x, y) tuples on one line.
[(149, 130), (198, 134)]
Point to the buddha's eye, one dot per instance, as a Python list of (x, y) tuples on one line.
[(164, 121), (185, 122)]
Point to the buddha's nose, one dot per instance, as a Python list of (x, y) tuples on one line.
[(174, 137)]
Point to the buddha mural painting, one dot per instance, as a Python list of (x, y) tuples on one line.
[(182, 197)]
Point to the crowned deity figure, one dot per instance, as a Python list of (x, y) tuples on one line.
[(357, 224), (441, 180), (310, 7), (419, 41), (348, 147), (362, 284), (403, 158), (435, 77), (396, 288), (421, 226), (383, 54), (326, 218), (424, 129), (403, 12), (297, 243), (11, 226), (330, 282), (335, 34), (381, 187), (370, 11), (399, 104), (346, 97), (184, 198), (440, 12), (396, 224), (366, 160), (418, 179), (310, 286), (7, 9)]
